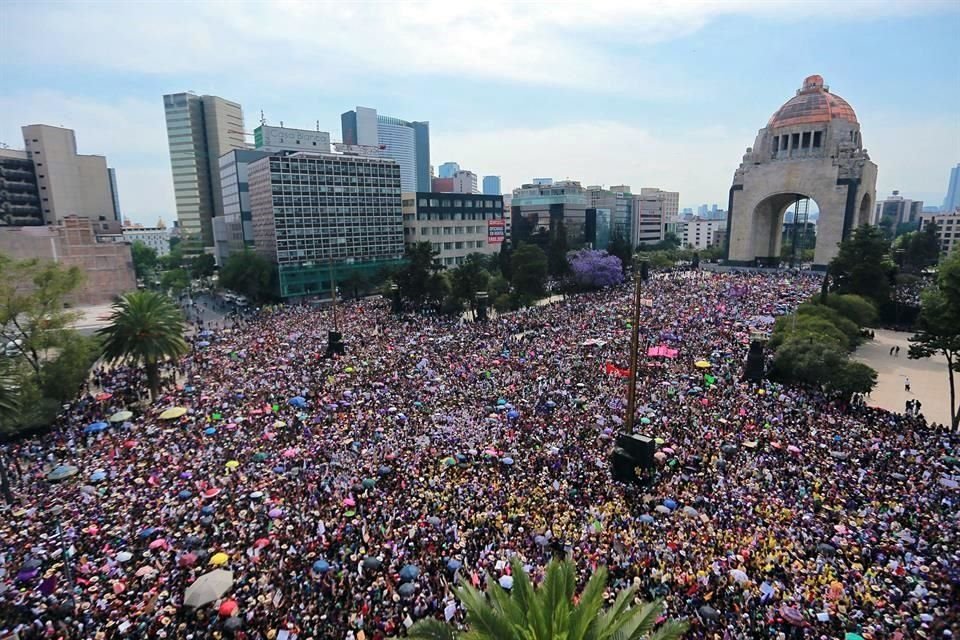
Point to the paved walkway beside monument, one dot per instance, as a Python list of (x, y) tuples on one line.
[(928, 377)]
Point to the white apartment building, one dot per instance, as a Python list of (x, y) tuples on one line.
[(652, 209), (465, 182), (700, 233), (948, 229), (157, 238), (456, 224), (267, 138)]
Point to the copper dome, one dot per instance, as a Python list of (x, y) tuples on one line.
[(813, 104)]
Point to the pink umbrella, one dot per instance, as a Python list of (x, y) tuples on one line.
[(269, 436), (793, 449), (775, 445), (159, 543), (349, 502), (231, 425), (145, 570), (275, 512), (213, 492), (261, 543), (290, 453), (187, 560), (119, 587), (668, 450)]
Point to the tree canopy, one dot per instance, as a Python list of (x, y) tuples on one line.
[(594, 269), (863, 265), (248, 273), (144, 259), (529, 265)]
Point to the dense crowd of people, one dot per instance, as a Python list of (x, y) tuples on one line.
[(349, 495)]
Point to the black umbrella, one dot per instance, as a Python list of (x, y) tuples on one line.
[(826, 549), (407, 589), (729, 449), (232, 624), (708, 613), (371, 562), (192, 541)]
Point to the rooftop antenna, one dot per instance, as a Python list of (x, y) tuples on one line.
[(318, 125), (263, 119), (281, 124)]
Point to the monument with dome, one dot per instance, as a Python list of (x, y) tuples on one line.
[(810, 149)]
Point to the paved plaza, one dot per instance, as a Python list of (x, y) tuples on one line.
[(928, 377)]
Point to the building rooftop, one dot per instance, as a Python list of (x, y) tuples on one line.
[(813, 104)]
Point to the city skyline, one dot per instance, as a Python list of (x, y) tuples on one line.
[(650, 98)]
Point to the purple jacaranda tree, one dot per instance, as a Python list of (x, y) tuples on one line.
[(594, 269)]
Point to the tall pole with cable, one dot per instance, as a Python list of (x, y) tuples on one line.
[(634, 348)]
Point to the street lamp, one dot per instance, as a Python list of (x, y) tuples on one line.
[(482, 297), (635, 346), (56, 511)]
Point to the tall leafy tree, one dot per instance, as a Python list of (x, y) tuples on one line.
[(144, 259), (557, 250), (529, 264), (863, 265), (469, 278), (249, 273), (203, 266), (620, 247), (549, 612), (414, 279), (145, 329), (939, 327), (32, 314), (594, 269), (503, 260)]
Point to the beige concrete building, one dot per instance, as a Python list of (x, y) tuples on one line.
[(948, 229), (700, 233), (456, 224), (70, 184), (810, 148), (108, 266), (200, 129), (652, 209)]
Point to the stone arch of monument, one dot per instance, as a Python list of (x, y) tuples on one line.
[(811, 147)]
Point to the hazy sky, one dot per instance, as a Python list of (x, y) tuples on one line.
[(665, 94)]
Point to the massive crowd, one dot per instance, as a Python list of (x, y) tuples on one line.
[(348, 496)]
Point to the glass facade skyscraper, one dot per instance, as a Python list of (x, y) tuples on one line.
[(200, 129), (406, 142), (491, 185), (952, 202), (447, 169)]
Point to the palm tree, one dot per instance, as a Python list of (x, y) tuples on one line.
[(145, 328), (9, 407), (549, 612)]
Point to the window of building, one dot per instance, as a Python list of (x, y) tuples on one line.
[(817, 139), (458, 204), (795, 141), (434, 202), (776, 143), (448, 245), (805, 144)]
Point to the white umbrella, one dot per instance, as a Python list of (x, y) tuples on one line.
[(208, 587), (739, 575)]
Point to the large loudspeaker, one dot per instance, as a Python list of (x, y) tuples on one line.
[(640, 448), (754, 369), (624, 467), (335, 344)]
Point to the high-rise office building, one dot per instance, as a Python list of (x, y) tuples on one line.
[(456, 224), (200, 129), (70, 184), (447, 169), (233, 229), (317, 212), (465, 182), (491, 185), (653, 208), (406, 142), (267, 138), (952, 202)]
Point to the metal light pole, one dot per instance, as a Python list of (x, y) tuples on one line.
[(57, 511), (634, 348)]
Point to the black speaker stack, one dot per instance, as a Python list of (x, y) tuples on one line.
[(632, 458), (754, 369), (335, 344)]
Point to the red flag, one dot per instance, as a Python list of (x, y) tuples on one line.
[(612, 369)]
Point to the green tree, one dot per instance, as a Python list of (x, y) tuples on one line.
[(549, 613), (203, 266), (529, 270), (9, 387), (850, 378), (175, 280), (146, 329), (857, 309), (810, 327), (503, 260), (863, 266), (32, 300), (62, 377), (939, 328), (248, 273), (620, 247), (470, 277), (144, 259), (355, 283), (557, 250), (174, 259), (414, 279)]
